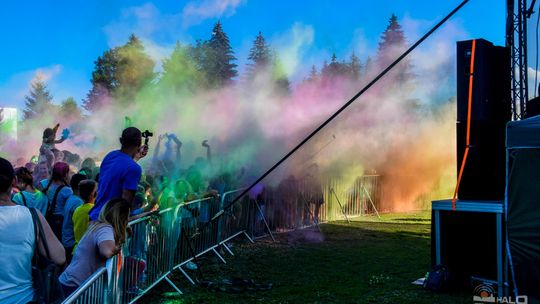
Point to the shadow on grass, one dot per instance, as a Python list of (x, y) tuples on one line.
[(361, 262), (413, 220)]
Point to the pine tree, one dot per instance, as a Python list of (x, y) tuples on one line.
[(197, 54), (121, 73), (354, 67), (313, 74), (180, 70), (38, 101), (368, 66), (70, 109), (135, 69), (392, 44), (324, 68), (96, 98), (259, 55), (279, 76), (105, 70), (334, 69), (218, 58), (104, 80)]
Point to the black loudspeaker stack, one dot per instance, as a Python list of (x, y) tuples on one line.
[(468, 239), (484, 173)]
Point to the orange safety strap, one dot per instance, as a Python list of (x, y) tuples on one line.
[(119, 263), (468, 136)]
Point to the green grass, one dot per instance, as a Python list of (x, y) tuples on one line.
[(367, 261)]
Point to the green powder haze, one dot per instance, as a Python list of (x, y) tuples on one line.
[(403, 132)]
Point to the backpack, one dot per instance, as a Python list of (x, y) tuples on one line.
[(45, 273), (438, 279), (55, 220)]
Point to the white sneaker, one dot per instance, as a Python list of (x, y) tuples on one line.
[(191, 266)]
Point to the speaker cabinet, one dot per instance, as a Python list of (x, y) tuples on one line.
[(484, 173)]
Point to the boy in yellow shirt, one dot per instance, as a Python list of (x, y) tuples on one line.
[(88, 193)]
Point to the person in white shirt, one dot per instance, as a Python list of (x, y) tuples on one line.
[(17, 243)]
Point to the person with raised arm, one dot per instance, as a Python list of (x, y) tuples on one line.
[(46, 151), (119, 173), (208, 151)]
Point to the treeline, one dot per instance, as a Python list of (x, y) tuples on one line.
[(123, 72)]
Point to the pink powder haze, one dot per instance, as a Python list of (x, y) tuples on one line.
[(404, 133)]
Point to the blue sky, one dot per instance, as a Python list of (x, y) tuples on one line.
[(61, 39)]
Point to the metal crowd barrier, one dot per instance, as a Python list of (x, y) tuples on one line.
[(93, 291), (146, 257), (362, 198), (168, 240), (296, 204), (236, 219), (159, 244), (198, 233)]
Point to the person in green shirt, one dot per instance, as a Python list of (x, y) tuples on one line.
[(88, 193)]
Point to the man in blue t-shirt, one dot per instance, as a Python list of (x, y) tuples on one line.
[(119, 173)]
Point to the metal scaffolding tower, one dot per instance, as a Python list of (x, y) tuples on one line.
[(516, 40)]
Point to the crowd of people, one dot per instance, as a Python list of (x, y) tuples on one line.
[(84, 209)]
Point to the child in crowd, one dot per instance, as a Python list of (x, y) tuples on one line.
[(47, 149), (41, 175), (80, 218)]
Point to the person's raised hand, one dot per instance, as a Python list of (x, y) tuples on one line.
[(65, 133), (175, 139), (142, 152)]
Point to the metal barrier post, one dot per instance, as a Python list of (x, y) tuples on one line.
[(94, 289), (371, 201), (264, 219), (306, 206), (340, 205), (227, 248)]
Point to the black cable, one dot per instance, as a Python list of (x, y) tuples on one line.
[(347, 104)]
